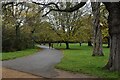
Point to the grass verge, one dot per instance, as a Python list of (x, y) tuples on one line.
[(78, 59), (17, 54)]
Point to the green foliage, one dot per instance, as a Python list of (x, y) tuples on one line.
[(18, 22), (78, 59), (22, 25), (86, 29), (67, 25), (17, 54), (44, 32), (104, 24)]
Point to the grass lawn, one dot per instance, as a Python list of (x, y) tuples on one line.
[(78, 59), (16, 54)]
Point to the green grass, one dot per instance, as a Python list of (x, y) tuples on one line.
[(78, 59), (17, 54)]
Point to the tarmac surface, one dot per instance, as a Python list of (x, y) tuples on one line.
[(41, 63)]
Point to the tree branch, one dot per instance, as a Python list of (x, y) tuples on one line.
[(46, 5), (5, 4), (71, 9)]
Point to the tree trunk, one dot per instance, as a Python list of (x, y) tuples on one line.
[(113, 63), (49, 45), (67, 45), (32, 38), (97, 43), (114, 32), (89, 43), (60, 44), (80, 43), (108, 39), (33, 41), (17, 39)]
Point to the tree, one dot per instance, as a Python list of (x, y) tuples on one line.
[(44, 33), (16, 32), (33, 20), (114, 32), (97, 43), (66, 24), (14, 13), (86, 29)]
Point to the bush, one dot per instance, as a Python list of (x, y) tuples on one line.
[(9, 42)]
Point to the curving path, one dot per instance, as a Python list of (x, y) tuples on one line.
[(40, 64)]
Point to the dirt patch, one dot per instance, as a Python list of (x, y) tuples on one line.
[(9, 73)]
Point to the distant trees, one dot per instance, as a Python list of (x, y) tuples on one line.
[(67, 25), (33, 20), (86, 29), (44, 33), (15, 29), (12, 23)]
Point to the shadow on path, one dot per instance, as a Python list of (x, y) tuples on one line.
[(40, 64)]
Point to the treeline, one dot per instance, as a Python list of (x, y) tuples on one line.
[(9, 42), (16, 26), (23, 26)]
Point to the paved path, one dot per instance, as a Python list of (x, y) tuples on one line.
[(40, 64)]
